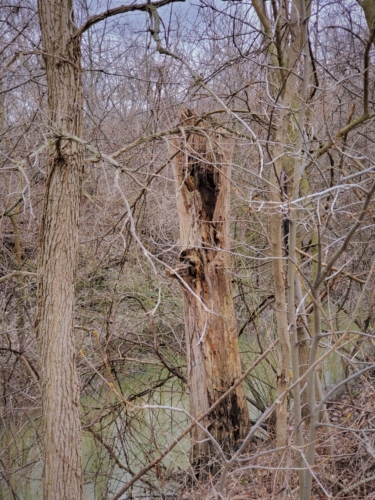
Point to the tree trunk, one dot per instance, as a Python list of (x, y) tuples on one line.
[(62, 475), (202, 170), (369, 10)]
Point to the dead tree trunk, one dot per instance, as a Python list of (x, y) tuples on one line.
[(202, 170), (62, 474)]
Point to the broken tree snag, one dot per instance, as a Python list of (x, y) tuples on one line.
[(202, 171)]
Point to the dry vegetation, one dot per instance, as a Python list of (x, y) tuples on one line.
[(297, 108), (349, 473)]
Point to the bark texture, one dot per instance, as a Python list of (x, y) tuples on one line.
[(62, 475), (202, 170), (369, 10)]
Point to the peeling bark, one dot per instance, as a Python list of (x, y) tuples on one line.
[(202, 170)]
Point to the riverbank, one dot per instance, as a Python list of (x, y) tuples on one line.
[(348, 474)]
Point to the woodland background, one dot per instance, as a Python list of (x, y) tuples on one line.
[(290, 84)]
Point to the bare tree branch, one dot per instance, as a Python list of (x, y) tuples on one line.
[(122, 9)]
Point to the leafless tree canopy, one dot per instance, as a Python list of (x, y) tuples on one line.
[(187, 264)]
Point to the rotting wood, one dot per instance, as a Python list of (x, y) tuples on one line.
[(202, 171)]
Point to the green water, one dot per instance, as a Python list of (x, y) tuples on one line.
[(137, 436)]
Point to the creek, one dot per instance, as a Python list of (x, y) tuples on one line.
[(136, 436)]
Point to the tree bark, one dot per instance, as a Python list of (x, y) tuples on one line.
[(62, 474), (368, 7), (202, 170)]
